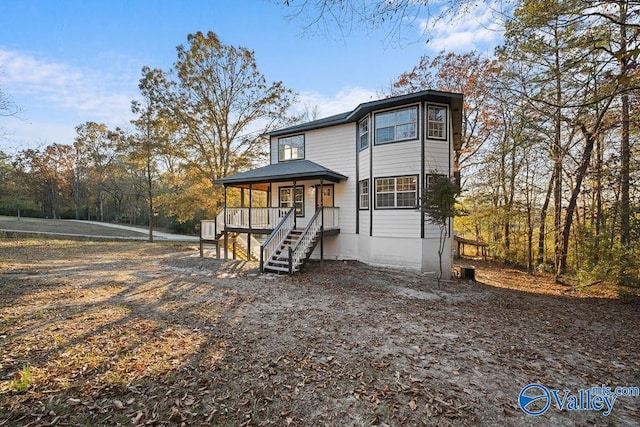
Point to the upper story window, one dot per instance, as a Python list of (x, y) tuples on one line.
[(436, 122), (363, 134), (396, 125), (291, 148)]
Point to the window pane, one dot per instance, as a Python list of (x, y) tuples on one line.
[(285, 195), (291, 147), (385, 119), (385, 200), (436, 122), (363, 191), (406, 184), (407, 131), (385, 185), (385, 134), (437, 114), (406, 116), (364, 126), (400, 192), (396, 125), (407, 199)]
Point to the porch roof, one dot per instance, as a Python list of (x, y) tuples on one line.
[(295, 170)]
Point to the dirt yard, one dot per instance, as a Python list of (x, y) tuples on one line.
[(130, 333)]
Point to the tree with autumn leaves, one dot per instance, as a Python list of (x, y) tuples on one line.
[(198, 121), (213, 105), (548, 138), (549, 152)]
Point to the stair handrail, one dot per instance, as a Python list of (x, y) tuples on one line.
[(306, 238), (277, 236)]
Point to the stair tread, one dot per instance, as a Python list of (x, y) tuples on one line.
[(273, 267)]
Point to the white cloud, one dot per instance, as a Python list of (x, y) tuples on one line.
[(345, 100), (479, 28), (46, 84), (17, 134)]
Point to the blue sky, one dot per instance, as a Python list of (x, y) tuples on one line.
[(66, 62)]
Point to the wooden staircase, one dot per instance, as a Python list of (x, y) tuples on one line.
[(279, 262)]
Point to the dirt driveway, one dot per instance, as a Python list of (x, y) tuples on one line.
[(132, 333)]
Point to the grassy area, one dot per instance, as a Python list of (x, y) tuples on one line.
[(62, 226)]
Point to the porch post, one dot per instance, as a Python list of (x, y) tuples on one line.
[(293, 200), (226, 233), (249, 233), (272, 216), (321, 222)]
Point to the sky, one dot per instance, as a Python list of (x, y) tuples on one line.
[(66, 62)]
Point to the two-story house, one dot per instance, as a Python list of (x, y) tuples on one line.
[(348, 187)]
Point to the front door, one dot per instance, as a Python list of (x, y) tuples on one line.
[(324, 195)]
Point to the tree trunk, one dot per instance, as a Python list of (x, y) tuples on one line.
[(100, 202), (580, 174), (625, 228), (557, 172), (598, 220), (150, 196), (543, 221)]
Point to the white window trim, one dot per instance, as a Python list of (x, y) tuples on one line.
[(360, 194), (368, 132), (415, 107), (444, 124), (304, 142), (293, 198), (395, 192)]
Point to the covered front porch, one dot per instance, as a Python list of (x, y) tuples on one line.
[(300, 212)]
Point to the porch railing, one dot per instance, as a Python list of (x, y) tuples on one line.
[(330, 217), (254, 218), (277, 236), (306, 240), (211, 228)]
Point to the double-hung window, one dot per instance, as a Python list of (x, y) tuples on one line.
[(288, 199), (396, 125), (397, 192), (436, 122), (363, 134), (363, 194), (291, 148)]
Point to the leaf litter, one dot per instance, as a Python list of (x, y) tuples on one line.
[(140, 334)]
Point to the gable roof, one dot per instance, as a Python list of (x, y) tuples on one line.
[(284, 171), (454, 100)]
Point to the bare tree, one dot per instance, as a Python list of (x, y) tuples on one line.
[(396, 18), (7, 109)]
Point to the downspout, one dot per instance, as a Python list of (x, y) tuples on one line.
[(423, 177)]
